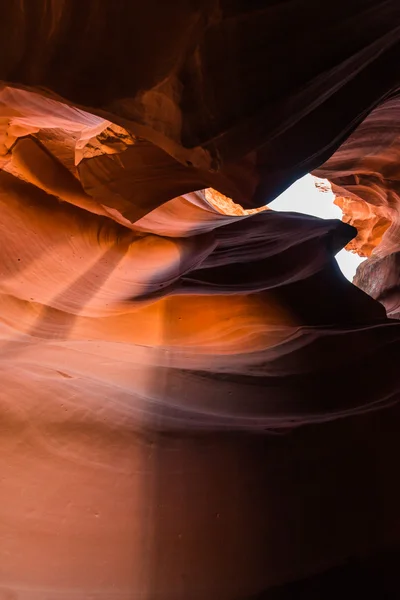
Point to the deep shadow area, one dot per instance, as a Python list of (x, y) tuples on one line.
[(374, 577)]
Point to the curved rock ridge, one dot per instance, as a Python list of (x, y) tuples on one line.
[(225, 311)]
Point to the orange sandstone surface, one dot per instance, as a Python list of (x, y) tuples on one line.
[(190, 390)]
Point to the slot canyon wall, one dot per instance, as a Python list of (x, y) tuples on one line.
[(365, 177), (195, 404)]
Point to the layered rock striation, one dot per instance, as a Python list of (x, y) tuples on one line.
[(155, 316)]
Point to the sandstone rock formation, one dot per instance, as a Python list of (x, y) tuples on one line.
[(380, 278), (365, 177), (154, 320)]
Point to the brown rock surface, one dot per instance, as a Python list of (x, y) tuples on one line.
[(161, 347), (380, 278), (371, 223), (365, 177)]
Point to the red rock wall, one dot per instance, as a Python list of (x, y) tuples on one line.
[(365, 177), (150, 329)]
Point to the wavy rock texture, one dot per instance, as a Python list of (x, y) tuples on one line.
[(365, 177), (380, 278), (153, 319)]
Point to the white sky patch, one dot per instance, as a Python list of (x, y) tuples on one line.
[(304, 197)]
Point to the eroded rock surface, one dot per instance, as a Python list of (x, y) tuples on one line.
[(365, 176), (153, 319), (380, 278)]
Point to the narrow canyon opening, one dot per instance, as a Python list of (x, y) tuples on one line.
[(313, 196)]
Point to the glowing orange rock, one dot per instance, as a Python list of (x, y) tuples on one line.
[(369, 221)]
